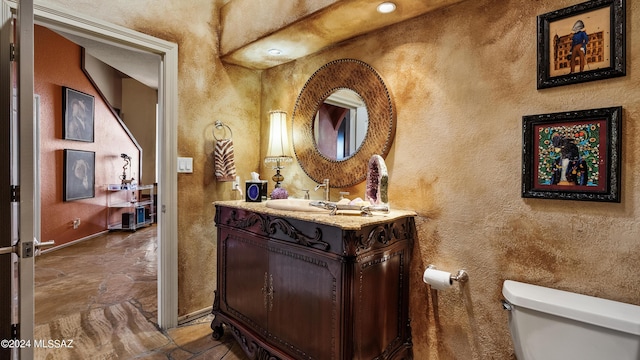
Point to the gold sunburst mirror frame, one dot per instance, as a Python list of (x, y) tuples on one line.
[(340, 74)]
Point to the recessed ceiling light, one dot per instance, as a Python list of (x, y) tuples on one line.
[(274, 51), (386, 7)]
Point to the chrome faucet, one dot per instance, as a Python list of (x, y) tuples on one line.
[(325, 185)]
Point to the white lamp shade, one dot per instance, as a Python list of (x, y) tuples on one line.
[(278, 138)]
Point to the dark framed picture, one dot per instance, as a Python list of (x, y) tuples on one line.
[(584, 42), (572, 155), (77, 115), (79, 174)]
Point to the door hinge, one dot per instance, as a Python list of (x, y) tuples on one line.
[(14, 331), (12, 52), (15, 193)]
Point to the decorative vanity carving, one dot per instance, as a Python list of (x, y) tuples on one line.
[(313, 286)]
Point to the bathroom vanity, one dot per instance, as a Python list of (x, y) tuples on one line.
[(308, 285)]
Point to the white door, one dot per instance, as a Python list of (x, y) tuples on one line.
[(7, 315), (19, 132)]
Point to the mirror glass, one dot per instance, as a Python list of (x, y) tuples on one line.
[(340, 125), (320, 158)]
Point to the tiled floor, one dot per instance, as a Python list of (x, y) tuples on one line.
[(102, 295)]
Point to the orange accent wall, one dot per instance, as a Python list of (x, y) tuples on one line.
[(58, 64)]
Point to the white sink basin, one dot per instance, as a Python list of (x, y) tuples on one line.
[(294, 205)]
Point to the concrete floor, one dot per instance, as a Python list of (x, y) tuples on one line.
[(100, 296)]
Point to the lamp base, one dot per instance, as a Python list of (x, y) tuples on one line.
[(277, 178)]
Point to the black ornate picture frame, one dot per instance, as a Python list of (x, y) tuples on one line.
[(79, 174), (573, 155), (78, 111), (597, 28)]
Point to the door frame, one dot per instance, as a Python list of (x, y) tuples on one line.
[(67, 20)]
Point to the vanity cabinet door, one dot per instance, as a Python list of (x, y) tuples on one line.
[(381, 308), (305, 313), (245, 278)]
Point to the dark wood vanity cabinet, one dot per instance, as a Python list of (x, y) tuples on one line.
[(289, 287)]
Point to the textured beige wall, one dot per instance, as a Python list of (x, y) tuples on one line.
[(462, 78)]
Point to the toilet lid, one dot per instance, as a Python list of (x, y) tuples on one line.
[(597, 311)]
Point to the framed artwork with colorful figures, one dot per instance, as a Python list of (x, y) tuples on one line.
[(573, 155), (584, 42)]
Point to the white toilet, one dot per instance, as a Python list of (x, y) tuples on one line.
[(549, 324)]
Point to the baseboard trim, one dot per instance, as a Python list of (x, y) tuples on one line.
[(42, 252), (194, 315)]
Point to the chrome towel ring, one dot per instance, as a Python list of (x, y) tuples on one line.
[(220, 125)]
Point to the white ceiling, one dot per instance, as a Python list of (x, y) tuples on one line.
[(140, 65)]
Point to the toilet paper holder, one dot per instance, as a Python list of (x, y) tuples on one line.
[(460, 277)]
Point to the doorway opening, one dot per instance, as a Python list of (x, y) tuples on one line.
[(119, 39)]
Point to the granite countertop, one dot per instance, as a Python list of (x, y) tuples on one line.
[(346, 222)]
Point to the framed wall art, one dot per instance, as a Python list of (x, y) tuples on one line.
[(77, 115), (584, 42), (79, 174), (572, 155)]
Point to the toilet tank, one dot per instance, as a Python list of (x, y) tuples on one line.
[(549, 324)]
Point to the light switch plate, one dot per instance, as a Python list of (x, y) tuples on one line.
[(185, 165)]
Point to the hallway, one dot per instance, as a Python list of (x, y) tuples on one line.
[(102, 295)]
